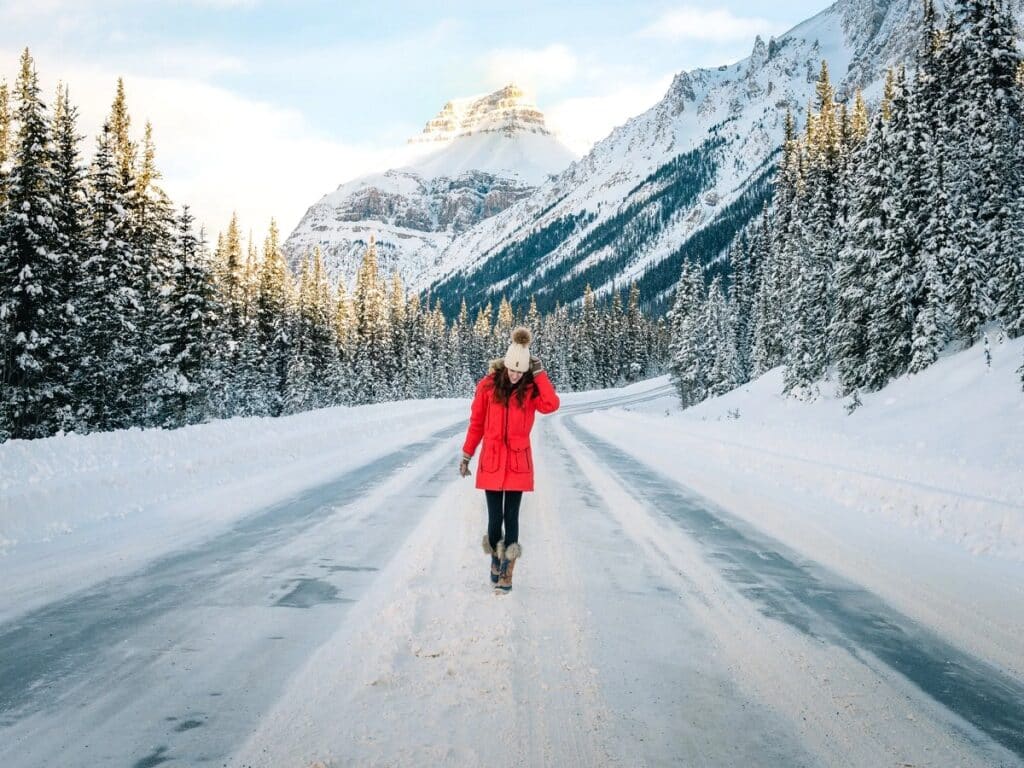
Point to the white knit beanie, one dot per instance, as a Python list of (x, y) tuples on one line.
[(518, 356)]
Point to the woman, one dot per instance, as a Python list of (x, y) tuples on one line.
[(502, 416)]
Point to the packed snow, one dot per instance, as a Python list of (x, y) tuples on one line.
[(75, 509), (916, 494), (754, 580)]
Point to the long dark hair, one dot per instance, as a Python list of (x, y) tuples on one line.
[(503, 386)]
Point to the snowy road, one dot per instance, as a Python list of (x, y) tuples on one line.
[(353, 625)]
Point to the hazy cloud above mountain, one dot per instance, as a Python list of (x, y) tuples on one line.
[(718, 25)]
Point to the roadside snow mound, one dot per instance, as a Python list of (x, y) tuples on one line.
[(940, 452)]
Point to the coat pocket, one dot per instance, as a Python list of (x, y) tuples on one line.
[(520, 458), (489, 458)]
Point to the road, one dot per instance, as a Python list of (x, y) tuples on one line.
[(353, 625)]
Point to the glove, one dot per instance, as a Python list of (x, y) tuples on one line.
[(535, 365), (464, 466)]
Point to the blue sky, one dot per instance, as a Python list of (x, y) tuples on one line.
[(264, 106)]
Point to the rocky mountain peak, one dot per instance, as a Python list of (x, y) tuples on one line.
[(507, 110)]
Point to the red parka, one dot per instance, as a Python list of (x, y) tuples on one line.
[(506, 461)]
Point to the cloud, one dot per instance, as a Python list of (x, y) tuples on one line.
[(535, 69), (717, 25), (582, 121), (218, 151)]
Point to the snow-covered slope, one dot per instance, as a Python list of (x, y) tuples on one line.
[(477, 157), (924, 481), (696, 162)]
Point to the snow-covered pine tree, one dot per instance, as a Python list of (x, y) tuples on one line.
[(344, 332), (928, 334), (611, 354), (638, 354), (745, 258), (559, 337), (855, 267), (771, 322), (1003, 167), (188, 334), (5, 138), (807, 311), (582, 364), (153, 244), (435, 379), (32, 367), (372, 331), (112, 305), (300, 374), (273, 326), (931, 211), (399, 374), (505, 321), (813, 244), (896, 284), (231, 276), (467, 372), (689, 364), (975, 193), (420, 356), (723, 368), (69, 212)]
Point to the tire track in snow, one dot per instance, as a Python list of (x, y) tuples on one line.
[(204, 636), (672, 700), (825, 608), (432, 668)]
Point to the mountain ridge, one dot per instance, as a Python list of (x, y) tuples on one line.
[(475, 158), (743, 104)]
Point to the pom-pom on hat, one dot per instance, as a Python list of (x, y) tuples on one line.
[(518, 356)]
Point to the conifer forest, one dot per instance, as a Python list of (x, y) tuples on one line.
[(892, 232)]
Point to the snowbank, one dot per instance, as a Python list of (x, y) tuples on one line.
[(941, 452), (916, 495), (85, 506)]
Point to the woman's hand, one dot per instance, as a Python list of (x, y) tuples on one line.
[(464, 466), (535, 365)]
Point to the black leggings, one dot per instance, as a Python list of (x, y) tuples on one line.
[(496, 514)]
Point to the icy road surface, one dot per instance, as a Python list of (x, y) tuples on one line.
[(354, 625)]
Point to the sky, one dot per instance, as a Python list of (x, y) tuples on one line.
[(262, 107)]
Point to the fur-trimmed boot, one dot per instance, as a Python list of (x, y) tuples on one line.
[(508, 564), (496, 555)]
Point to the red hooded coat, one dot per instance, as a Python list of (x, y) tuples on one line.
[(506, 461)]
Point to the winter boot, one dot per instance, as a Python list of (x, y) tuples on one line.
[(495, 557), (508, 565)]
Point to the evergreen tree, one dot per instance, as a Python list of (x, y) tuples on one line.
[(273, 326), (235, 280), (688, 368), (982, 66), (188, 335), (637, 353), (372, 331), (69, 212), (153, 245), (111, 354), (33, 369), (344, 332), (897, 279), (5, 138), (723, 364), (855, 271)]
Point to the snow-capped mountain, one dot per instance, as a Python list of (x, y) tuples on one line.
[(682, 177), (476, 158)]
